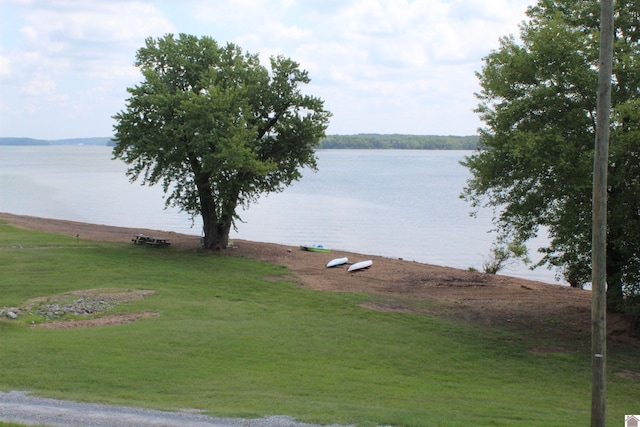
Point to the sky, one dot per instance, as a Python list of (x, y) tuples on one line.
[(381, 66)]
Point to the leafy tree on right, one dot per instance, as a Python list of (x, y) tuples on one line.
[(534, 167)]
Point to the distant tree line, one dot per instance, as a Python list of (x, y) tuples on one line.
[(359, 141), (23, 141), (72, 141), (400, 142)]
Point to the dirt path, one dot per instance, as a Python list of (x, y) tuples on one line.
[(18, 407)]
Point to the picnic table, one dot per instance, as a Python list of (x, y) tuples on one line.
[(141, 239)]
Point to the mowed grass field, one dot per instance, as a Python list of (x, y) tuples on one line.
[(235, 337)]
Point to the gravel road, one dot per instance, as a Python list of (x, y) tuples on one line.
[(19, 407)]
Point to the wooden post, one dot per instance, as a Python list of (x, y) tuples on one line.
[(599, 242)]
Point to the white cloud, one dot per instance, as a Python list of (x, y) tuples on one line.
[(5, 68), (78, 31), (410, 56), (41, 87), (381, 65), (73, 56)]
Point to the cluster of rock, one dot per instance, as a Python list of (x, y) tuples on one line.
[(10, 312), (85, 305)]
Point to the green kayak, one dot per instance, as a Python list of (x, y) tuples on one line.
[(315, 249)]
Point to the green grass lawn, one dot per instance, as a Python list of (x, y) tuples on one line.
[(235, 338)]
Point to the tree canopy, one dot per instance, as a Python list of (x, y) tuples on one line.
[(216, 128), (538, 104)]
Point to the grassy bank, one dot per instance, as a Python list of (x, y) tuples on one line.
[(235, 337)]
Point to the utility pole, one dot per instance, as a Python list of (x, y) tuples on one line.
[(599, 242)]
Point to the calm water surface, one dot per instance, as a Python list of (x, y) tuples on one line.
[(395, 203)]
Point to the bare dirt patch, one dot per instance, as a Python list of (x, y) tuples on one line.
[(534, 308), (630, 375)]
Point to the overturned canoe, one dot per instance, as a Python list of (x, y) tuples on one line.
[(360, 265), (337, 262)]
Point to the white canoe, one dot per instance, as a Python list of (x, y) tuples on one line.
[(360, 265), (337, 262)]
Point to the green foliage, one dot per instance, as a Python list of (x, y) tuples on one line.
[(400, 142), (217, 128), (505, 253), (17, 425), (234, 337), (538, 103), (22, 141)]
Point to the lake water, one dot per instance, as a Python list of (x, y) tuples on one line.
[(394, 203)]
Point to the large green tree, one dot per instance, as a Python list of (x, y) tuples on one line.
[(538, 104), (217, 128)]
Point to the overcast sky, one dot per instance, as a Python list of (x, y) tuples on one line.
[(382, 66)]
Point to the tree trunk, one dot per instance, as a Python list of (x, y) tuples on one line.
[(216, 236), (615, 296), (216, 230)]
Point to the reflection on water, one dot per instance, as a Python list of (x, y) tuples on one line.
[(400, 203)]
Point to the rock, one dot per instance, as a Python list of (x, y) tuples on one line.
[(89, 305)]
